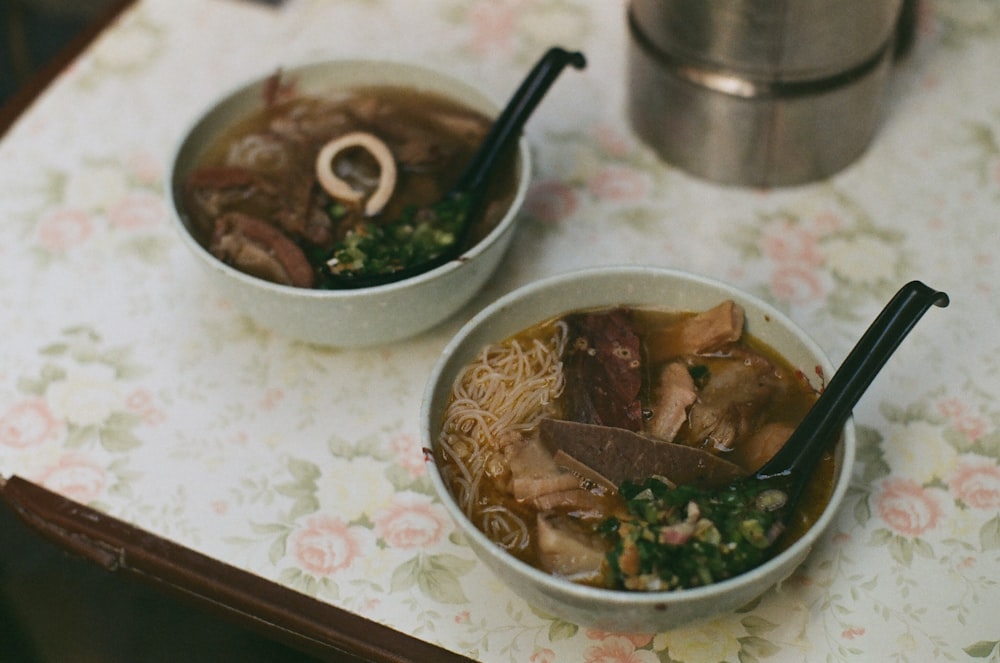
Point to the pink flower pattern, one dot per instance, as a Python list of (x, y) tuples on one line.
[(141, 402), (976, 482), (543, 655), (796, 283), (788, 243), (493, 26), (551, 201), (971, 426), (29, 423), (907, 507), (411, 521), (407, 452), (60, 230), (325, 545), (138, 210), (618, 649), (76, 476), (619, 184)]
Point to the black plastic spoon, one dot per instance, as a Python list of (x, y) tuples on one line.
[(797, 459), (428, 237), (749, 514)]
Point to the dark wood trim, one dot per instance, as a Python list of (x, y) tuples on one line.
[(319, 629), (23, 98)]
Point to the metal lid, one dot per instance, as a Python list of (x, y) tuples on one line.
[(780, 40)]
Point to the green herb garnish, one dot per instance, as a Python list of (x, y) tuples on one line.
[(681, 537), (420, 236)]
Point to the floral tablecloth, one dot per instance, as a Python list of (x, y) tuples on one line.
[(127, 384)]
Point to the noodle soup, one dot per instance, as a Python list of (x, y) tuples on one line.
[(542, 430)]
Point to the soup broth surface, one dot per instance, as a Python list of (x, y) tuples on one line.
[(259, 175), (489, 451)]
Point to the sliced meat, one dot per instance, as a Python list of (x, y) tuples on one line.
[(729, 405), (533, 471), (570, 463), (210, 192), (674, 395), (285, 201), (697, 334), (577, 502), (620, 455), (313, 122), (292, 213), (260, 250), (566, 551), (603, 370)]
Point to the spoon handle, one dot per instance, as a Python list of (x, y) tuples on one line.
[(510, 122), (828, 415)]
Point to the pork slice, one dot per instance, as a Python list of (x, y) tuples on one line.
[(732, 400), (577, 501), (534, 473), (259, 249), (311, 122), (700, 333), (212, 191), (295, 202), (620, 455), (675, 394), (570, 463), (566, 551)]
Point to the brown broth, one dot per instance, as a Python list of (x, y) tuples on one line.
[(432, 139), (792, 404)]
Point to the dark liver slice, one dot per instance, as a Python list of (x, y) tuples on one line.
[(620, 455)]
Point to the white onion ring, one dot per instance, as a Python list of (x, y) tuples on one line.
[(340, 189)]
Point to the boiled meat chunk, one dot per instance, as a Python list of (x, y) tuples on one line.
[(536, 479), (675, 394), (534, 473), (566, 551), (729, 405), (697, 334)]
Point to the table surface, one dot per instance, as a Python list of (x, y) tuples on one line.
[(126, 384)]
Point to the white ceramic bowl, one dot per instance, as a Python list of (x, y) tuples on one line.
[(611, 609), (362, 316)]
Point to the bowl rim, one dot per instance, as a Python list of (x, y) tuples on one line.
[(654, 599), (522, 183)]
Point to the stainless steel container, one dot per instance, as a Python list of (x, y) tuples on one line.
[(759, 92)]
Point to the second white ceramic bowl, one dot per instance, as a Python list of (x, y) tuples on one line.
[(671, 290)]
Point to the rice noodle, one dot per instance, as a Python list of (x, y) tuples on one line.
[(510, 386)]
